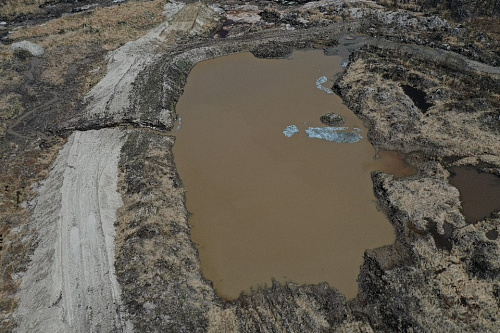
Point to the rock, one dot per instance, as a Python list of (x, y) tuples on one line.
[(166, 118), (35, 49), (332, 119), (270, 16), (172, 8)]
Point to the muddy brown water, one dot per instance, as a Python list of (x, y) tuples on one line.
[(266, 206), (479, 191)]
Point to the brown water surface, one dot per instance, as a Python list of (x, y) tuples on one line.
[(479, 191), (267, 206)]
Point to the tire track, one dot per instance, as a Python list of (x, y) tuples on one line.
[(35, 61), (71, 285)]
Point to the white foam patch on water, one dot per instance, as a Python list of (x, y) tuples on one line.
[(319, 83), (290, 131), (334, 134)]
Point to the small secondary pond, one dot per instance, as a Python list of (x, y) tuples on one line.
[(418, 97), (272, 194), (479, 191)]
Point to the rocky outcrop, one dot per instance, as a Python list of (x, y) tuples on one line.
[(437, 274), (420, 283)]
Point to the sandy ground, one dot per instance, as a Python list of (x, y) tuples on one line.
[(111, 96), (71, 285)]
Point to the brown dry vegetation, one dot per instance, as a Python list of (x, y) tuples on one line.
[(68, 40), (10, 108), (109, 27), (18, 175), (11, 8), (157, 265), (71, 38), (417, 7), (454, 125), (487, 24)]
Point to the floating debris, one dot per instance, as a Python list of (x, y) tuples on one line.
[(334, 134), (319, 83), (179, 123), (290, 131)]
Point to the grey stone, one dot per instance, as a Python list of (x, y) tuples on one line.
[(35, 49), (332, 119)]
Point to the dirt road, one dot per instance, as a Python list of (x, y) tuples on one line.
[(73, 267)]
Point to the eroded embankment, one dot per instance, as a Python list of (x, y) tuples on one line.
[(71, 285), (441, 273)]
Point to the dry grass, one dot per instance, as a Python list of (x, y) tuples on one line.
[(109, 27), (490, 25), (8, 77), (222, 320), (16, 180), (71, 38), (11, 8), (10, 108), (407, 5)]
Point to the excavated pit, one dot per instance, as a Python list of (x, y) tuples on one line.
[(266, 205)]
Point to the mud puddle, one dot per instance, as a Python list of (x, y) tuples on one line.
[(479, 192), (418, 97), (265, 205)]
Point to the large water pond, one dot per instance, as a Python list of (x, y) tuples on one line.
[(265, 205)]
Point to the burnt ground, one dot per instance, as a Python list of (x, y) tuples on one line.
[(440, 273)]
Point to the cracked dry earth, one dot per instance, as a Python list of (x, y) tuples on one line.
[(113, 249)]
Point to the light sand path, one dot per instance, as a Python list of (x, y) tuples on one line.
[(71, 285)]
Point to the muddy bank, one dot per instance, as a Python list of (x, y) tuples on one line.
[(166, 291)]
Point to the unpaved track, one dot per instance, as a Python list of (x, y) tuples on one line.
[(71, 285)]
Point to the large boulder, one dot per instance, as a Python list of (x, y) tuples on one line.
[(34, 49)]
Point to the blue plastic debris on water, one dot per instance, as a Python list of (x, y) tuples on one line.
[(179, 123), (319, 83), (290, 130), (334, 134)]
